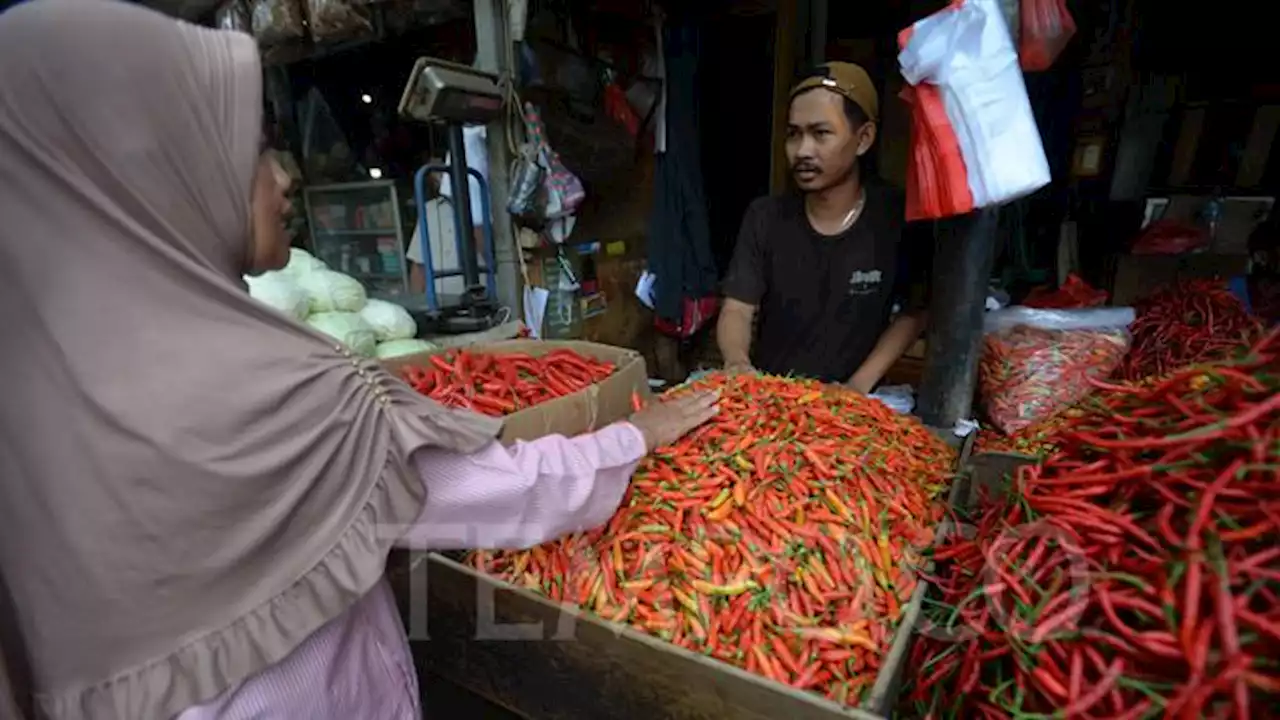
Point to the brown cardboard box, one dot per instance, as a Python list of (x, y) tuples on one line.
[(586, 410)]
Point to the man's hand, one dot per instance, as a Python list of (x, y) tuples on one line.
[(862, 385), (739, 368), (663, 423)]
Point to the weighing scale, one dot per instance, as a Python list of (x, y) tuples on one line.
[(455, 95)]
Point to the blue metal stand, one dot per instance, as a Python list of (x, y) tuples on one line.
[(464, 244)]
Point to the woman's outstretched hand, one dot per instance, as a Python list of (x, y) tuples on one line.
[(663, 423)]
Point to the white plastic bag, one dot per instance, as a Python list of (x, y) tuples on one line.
[(963, 59), (1101, 318), (900, 398)]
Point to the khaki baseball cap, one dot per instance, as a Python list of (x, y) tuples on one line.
[(846, 79)]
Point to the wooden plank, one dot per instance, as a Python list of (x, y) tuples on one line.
[(784, 69), (986, 473), (574, 665)]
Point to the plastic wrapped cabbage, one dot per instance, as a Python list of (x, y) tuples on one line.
[(330, 291), (302, 262), (347, 328), (278, 290), (388, 320), (399, 348)]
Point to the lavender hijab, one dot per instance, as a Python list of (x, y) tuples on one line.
[(190, 483)]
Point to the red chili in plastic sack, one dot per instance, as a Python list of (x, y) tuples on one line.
[(1029, 374)]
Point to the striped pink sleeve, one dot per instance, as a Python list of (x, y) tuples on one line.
[(526, 494)]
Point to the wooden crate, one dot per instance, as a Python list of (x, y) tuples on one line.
[(982, 472), (575, 665), (584, 667)]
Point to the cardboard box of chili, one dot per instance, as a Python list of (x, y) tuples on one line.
[(589, 409)]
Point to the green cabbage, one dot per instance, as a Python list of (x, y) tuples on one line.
[(329, 291), (302, 262), (398, 348), (388, 320), (348, 329), (278, 290)]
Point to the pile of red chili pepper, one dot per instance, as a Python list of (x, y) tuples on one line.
[(1186, 322), (1135, 573), (1072, 293), (1028, 374), (778, 537), (500, 384)]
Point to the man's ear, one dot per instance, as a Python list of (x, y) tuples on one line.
[(867, 137)]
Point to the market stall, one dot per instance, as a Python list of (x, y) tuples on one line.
[(813, 553)]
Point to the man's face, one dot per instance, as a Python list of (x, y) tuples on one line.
[(822, 147)]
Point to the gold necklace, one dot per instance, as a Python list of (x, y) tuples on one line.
[(849, 219)]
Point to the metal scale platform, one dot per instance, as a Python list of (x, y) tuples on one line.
[(454, 95)]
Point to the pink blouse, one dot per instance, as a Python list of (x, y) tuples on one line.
[(358, 665)]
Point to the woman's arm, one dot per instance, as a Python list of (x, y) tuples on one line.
[(537, 491), (524, 495)]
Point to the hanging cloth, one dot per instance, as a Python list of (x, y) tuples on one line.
[(680, 254)]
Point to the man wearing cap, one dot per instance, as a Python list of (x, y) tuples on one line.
[(818, 273)]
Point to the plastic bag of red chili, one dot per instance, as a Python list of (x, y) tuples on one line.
[(1035, 363)]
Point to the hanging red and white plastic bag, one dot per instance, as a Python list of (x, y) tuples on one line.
[(969, 110), (1046, 28), (937, 179)]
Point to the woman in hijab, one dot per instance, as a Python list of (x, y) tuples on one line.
[(197, 495)]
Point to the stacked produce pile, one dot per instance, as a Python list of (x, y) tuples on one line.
[(337, 305), (1135, 573), (500, 384), (779, 537), (1186, 322)]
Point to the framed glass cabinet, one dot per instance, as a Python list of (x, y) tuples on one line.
[(356, 230)]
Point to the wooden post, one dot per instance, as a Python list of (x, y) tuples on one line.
[(784, 69), (964, 251), (818, 35)]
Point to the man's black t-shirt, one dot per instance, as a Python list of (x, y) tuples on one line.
[(824, 301)]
